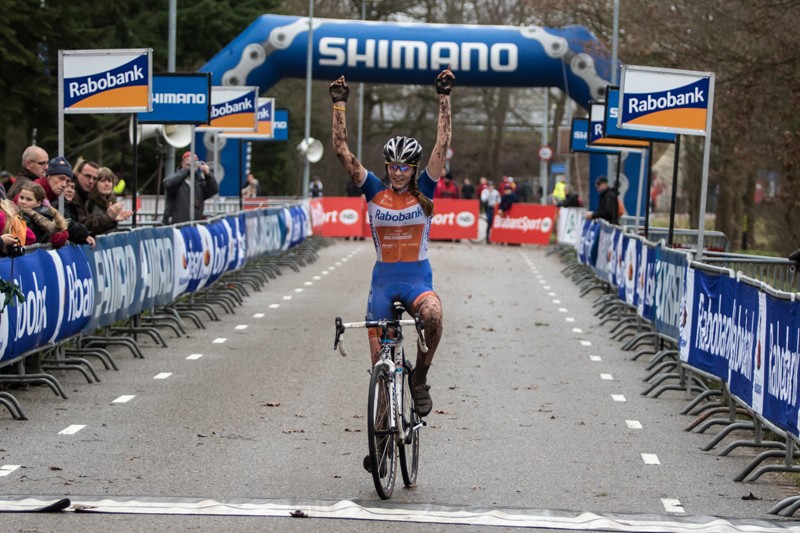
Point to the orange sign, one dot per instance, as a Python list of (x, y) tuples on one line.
[(525, 224)]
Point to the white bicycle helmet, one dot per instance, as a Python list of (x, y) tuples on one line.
[(403, 150)]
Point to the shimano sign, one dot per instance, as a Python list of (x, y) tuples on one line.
[(179, 99)]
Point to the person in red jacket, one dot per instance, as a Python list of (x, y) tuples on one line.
[(446, 188)]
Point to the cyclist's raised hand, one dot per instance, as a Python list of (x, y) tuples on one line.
[(339, 90), (445, 81)]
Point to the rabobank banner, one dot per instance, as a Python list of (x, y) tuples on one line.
[(666, 100), (264, 127), (105, 81), (179, 98), (233, 109), (579, 139), (670, 276), (599, 137), (612, 116)]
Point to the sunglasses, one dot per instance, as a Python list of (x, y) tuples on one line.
[(397, 166)]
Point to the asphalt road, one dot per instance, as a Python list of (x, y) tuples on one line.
[(536, 420)]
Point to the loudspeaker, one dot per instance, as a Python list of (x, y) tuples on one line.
[(312, 149), (176, 135)]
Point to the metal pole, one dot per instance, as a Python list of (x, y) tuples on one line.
[(674, 196), (615, 44), (706, 159), (135, 173), (241, 175), (309, 64), (191, 176), (172, 33), (545, 140), (360, 141), (649, 153)]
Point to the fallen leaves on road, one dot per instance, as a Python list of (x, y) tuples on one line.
[(286, 431), (272, 404), (352, 430)]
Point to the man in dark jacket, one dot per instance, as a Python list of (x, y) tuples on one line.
[(608, 207), (34, 165), (178, 190)]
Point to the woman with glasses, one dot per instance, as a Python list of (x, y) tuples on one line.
[(400, 214)]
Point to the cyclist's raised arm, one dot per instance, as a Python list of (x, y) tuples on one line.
[(339, 93), (445, 82)]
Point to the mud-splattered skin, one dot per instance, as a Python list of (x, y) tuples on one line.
[(428, 305)]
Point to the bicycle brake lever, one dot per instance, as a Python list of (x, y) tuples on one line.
[(338, 342)]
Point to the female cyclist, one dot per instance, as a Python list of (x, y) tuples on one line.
[(400, 218)]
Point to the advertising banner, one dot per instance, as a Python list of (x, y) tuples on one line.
[(455, 219), (599, 137), (105, 81), (670, 274), (568, 225), (264, 123), (524, 224), (666, 100), (612, 116), (156, 280), (587, 250), (777, 362), (233, 109), (266, 231), (344, 216), (115, 270), (77, 290), (579, 139), (179, 98), (646, 282)]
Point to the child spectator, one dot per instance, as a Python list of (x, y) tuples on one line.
[(15, 233), (46, 222)]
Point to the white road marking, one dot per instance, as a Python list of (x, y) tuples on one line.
[(577, 330), (332, 268), (7, 469), (163, 375), (298, 290), (317, 278), (71, 430), (125, 398), (308, 284), (556, 301), (542, 281), (672, 505), (258, 315), (287, 297), (324, 272), (219, 340), (546, 287), (586, 343), (569, 319), (595, 358), (618, 397), (650, 459), (240, 327), (606, 377), (562, 309), (194, 356), (551, 294), (633, 424), (274, 306)]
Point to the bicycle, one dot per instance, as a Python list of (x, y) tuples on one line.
[(392, 423)]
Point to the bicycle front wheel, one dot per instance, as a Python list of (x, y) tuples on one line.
[(381, 437), (409, 447)]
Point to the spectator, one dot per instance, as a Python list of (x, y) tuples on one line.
[(446, 187), (559, 191), (34, 165), (78, 233), (467, 190), (315, 189), (178, 187), (571, 198), (508, 199), (490, 198), (6, 180), (15, 233), (45, 221), (253, 187), (524, 191), (119, 186), (101, 199), (608, 206), (482, 184), (86, 174)]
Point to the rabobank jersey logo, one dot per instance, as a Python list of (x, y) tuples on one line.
[(118, 82), (665, 99)]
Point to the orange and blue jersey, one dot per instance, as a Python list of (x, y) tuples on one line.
[(401, 232)]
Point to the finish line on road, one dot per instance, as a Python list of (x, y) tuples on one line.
[(395, 512)]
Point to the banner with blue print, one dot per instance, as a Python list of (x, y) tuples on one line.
[(266, 231), (196, 255), (587, 249), (646, 282), (670, 273), (777, 363), (115, 272), (76, 290), (156, 281), (220, 247)]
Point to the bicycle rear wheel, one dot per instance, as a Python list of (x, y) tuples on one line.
[(409, 448), (381, 438)]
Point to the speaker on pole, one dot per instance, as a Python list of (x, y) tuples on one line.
[(311, 149)]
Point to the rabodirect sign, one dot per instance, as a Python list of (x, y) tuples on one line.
[(105, 81), (179, 98), (654, 99)]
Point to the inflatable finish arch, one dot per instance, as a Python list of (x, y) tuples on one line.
[(274, 47)]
